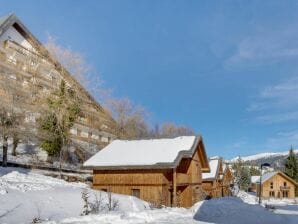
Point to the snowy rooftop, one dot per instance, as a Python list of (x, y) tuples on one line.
[(254, 179), (214, 163), (265, 177), (141, 152)]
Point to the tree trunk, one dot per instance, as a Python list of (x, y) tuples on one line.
[(5, 147), (61, 157), (14, 146)]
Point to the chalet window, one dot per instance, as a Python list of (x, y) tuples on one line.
[(135, 192), (271, 185), (285, 184), (271, 194)]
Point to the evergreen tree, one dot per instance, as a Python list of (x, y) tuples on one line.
[(242, 174), (254, 171), (291, 166), (54, 125), (244, 181)]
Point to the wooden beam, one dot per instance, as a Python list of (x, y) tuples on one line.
[(174, 187)]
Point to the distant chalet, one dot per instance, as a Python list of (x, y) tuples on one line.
[(29, 73), (161, 171), (274, 185), (218, 181)]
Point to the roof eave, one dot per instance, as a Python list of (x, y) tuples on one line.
[(133, 167)]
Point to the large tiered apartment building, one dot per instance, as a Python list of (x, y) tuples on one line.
[(29, 73)]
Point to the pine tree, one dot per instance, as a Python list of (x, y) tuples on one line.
[(242, 174), (254, 171), (54, 125), (244, 181), (291, 166)]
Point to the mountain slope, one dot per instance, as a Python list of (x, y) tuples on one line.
[(275, 159)]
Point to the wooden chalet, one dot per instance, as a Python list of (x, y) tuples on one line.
[(29, 73), (217, 182), (227, 180), (274, 185), (161, 171)]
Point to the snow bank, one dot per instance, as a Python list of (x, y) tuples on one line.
[(232, 210), (249, 198), (27, 195), (30, 181), (165, 216)]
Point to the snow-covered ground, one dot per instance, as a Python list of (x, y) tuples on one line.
[(26, 195)]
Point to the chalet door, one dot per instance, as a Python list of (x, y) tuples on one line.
[(285, 194), (135, 192), (170, 192)]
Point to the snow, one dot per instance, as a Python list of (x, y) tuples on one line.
[(232, 210), (228, 210), (213, 169), (251, 198), (165, 215), (141, 152), (255, 179), (263, 155), (267, 176), (28, 195)]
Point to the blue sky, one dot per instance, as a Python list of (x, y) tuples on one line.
[(229, 69)]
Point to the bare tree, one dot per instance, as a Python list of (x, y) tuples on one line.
[(78, 67), (9, 123), (130, 118), (171, 130)]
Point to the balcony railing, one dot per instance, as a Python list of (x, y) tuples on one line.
[(284, 188)]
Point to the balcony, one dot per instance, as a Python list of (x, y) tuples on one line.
[(284, 188)]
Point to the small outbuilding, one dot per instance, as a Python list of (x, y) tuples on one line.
[(274, 185), (161, 171)]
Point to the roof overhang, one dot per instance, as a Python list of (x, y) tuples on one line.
[(181, 155), (282, 174)]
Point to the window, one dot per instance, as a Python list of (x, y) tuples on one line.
[(271, 185), (285, 194), (135, 192), (285, 184), (104, 189), (271, 194)]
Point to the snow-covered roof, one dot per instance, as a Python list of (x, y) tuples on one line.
[(267, 176), (254, 179), (214, 166), (215, 157), (151, 152)]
